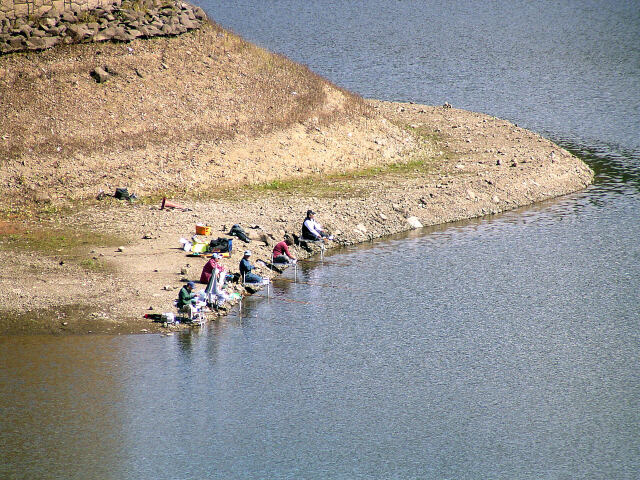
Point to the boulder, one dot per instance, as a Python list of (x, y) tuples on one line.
[(186, 22), (145, 31), (16, 42), (79, 32), (36, 43), (52, 14), (121, 35), (49, 22), (100, 75), (26, 31), (50, 41), (68, 17), (134, 33), (103, 36)]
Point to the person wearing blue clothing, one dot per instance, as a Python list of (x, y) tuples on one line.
[(245, 270)]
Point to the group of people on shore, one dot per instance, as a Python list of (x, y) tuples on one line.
[(312, 231)]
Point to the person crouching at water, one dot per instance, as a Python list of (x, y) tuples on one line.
[(210, 266), (312, 230), (186, 297), (281, 252), (245, 270)]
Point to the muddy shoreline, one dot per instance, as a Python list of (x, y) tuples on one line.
[(462, 165)]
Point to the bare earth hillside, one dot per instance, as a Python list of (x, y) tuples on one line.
[(190, 113)]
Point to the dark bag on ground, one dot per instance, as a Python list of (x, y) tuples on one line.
[(221, 245), (123, 194), (239, 232)]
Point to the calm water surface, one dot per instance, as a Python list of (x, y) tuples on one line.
[(502, 348)]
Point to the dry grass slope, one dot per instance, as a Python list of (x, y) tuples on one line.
[(61, 129)]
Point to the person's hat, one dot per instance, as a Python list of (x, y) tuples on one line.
[(310, 212), (247, 253), (191, 284)]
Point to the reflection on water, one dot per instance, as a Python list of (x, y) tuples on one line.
[(59, 407)]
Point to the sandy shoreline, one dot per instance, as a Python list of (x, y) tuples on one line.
[(480, 165)]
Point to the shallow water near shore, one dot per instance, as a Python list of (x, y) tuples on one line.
[(504, 347)]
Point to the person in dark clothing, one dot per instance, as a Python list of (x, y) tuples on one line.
[(186, 297), (239, 232), (281, 252), (312, 230), (245, 270)]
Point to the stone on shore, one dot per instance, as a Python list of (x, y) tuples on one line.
[(414, 222)]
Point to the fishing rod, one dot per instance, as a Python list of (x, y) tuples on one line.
[(282, 299), (328, 262), (327, 285)]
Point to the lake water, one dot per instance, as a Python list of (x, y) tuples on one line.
[(504, 348)]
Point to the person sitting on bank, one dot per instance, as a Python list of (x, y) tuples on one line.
[(312, 230), (186, 298), (210, 266), (245, 270), (281, 252)]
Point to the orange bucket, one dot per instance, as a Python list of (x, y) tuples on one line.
[(203, 230)]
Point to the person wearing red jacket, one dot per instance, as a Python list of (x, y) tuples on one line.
[(281, 252), (210, 266)]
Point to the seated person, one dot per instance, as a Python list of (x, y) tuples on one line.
[(186, 298), (281, 252), (210, 266), (245, 270), (312, 230)]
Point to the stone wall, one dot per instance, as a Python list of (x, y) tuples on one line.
[(12, 9), (120, 22)]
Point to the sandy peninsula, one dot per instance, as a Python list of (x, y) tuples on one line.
[(239, 136)]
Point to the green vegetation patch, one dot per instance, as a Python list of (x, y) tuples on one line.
[(340, 184), (69, 244)]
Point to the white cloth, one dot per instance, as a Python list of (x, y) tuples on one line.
[(217, 295)]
